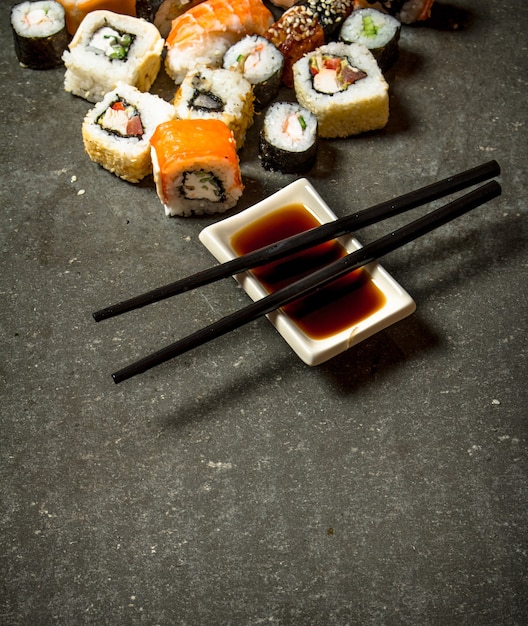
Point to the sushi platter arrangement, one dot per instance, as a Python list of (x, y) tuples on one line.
[(227, 61)]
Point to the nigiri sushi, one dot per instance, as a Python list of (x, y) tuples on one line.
[(202, 35), (162, 12), (406, 11), (196, 167)]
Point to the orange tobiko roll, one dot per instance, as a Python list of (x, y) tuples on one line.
[(196, 167)]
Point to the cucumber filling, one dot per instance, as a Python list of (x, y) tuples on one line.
[(202, 185), (369, 28)]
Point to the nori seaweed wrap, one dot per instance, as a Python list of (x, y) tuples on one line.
[(40, 35), (288, 139), (379, 32)]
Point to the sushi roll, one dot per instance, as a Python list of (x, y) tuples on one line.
[(288, 139), (117, 131), (216, 93), (406, 11), (260, 62), (305, 26), (376, 30), (77, 10), (109, 48), (343, 86), (162, 12), (202, 35), (39, 30), (196, 167)]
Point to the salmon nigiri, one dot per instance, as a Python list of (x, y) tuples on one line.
[(201, 35)]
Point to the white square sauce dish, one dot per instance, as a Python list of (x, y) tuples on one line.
[(337, 317)]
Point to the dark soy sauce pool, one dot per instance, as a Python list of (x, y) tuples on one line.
[(340, 305)]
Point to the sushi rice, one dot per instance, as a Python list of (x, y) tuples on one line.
[(196, 167), (94, 68), (216, 93), (376, 30), (117, 131), (39, 30), (343, 109), (288, 139), (260, 62)]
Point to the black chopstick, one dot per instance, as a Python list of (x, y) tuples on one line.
[(309, 238), (317, 280)]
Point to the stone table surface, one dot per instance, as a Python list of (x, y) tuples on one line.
[(236, 485)]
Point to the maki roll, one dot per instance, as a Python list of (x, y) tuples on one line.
[(39, 30), (216, 93), (260, 62), (117, 131), (109, 48), (376, 30), (288, 139), (196, 167), (343, 86)]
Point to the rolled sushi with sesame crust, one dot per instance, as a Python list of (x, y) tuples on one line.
[(117, 131), (217, 93), (343, 86)]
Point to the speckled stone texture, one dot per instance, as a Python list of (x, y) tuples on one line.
[(236, 485)]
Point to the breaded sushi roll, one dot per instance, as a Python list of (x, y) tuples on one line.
[(216, 93), (117, 131), (109, 48), (343, 86), (260, 62), (376, 30), (196, 167), (39, 30), (288, 139)]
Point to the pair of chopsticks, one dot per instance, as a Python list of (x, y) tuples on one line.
[(323, 276)]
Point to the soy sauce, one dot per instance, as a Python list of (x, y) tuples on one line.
[(340, 305)]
